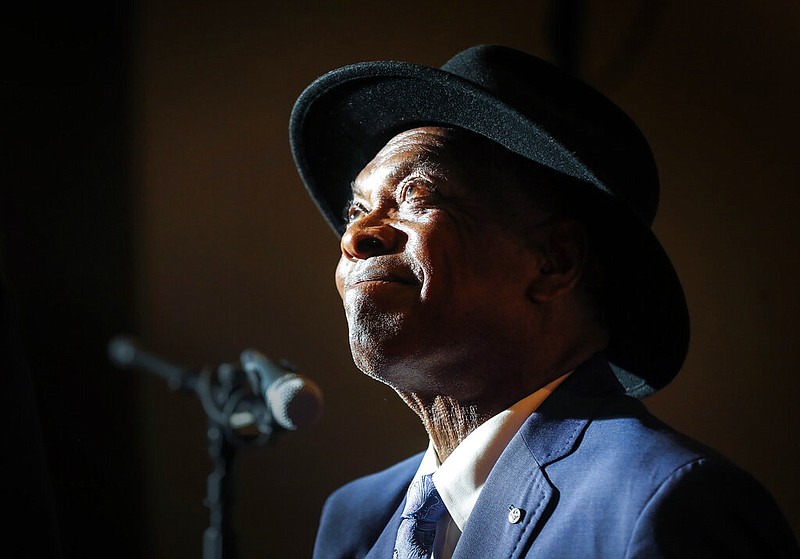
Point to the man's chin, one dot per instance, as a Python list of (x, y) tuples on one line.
[(380, 361), (393, 368)]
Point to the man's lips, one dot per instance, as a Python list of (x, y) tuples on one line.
[(368, 276)]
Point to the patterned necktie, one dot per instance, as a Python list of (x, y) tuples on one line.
[(417, 529)]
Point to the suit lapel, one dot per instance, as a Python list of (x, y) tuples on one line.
[(518, 479), (516, 482)]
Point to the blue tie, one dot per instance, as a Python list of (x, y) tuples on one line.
[(417, 529)]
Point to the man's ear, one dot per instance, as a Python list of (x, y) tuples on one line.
[(562, 259)]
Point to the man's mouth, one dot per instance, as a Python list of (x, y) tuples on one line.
[(378, 276)]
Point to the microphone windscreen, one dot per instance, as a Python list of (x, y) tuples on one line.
[(295, 401)]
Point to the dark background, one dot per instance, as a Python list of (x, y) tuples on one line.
[(148, 188)]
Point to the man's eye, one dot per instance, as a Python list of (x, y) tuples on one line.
[(354, 211), (416, 189)]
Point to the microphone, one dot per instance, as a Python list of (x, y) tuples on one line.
[(293, 401)]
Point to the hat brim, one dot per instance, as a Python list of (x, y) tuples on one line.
[(345, 117)]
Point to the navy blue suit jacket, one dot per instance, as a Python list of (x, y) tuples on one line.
[(596, 476)]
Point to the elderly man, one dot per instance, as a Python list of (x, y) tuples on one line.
[(499, 273)]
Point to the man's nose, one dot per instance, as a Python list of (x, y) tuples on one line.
[(369, 236)]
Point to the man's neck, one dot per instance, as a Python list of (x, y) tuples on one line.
[(447, 421)]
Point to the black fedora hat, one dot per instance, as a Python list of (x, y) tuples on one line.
[(533, 109)]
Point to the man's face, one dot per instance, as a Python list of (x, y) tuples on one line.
[(434, 271)]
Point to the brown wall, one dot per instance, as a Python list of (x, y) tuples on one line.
[(232, 254)]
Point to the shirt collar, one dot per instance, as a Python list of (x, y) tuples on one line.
[(462, 476)]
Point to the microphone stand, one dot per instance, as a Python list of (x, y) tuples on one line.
[(234, 420), (218, 538), (237, 417)]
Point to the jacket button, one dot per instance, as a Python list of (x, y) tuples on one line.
[(515, 514)]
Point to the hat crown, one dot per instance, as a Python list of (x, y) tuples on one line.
[(584, 121)]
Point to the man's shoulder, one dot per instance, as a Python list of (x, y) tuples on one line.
[(625, 436), (661, 485), (593, 443), (625, 428), (590, 416), (677, 484)]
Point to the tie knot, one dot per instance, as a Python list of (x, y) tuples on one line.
[(423, 501)]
